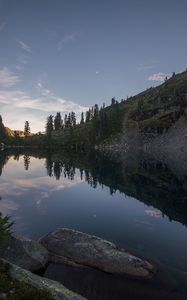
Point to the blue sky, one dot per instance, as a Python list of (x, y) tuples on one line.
[(64, 55)]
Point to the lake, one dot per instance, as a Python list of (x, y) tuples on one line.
[(137, 200)]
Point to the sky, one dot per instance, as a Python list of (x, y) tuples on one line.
[(67, 55)]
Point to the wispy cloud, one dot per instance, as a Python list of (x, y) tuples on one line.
[(24, 46), (146, 67), (18, 106), (42, 89), (2, 26), (8, 78), (45, 103), (159, 77), (22, 59), (67, 40), (18, 67)]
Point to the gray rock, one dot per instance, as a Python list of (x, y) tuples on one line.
[(3, 296), (57, 290), (76, 248), (25, 253)]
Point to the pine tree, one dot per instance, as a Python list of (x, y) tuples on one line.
[(88, 116), (73, 119), (2, 128), (27, 130), (65, 121), (96, 111), (49, 126), (58, 121), (82, 118), (113, 101), (69, 121)]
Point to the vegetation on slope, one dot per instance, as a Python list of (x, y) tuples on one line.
[(14, 290), (151, 113)]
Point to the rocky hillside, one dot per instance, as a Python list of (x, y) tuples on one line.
[(136, 121), (156, 116), (6, 132), (2, 128), (148, 118), (14, 133)]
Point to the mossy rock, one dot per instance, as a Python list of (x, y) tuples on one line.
[(19, 284), (24, 252), (77, 248)]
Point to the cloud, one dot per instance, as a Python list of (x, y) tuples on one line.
[(18, 106), (159, 77), (18, 67), (67, 40), (146, 67), (22, 59), (24, 46), (45, 103), (43, 90), (2, 26), (7, 78)]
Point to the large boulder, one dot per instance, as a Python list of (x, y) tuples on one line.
[(25, 253), (24, 277), (79, 249)]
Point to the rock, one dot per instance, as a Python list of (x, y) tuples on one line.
[(25, 253), (57, 290), (2, 296), (76, 248)]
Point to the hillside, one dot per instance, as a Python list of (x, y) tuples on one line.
[(14, 133), (156, 112), (148, 118), (135, 121), (7, 134), (2, 129)]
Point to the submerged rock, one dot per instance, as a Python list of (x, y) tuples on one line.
[(55, 289), (76, 248), (25, 253)]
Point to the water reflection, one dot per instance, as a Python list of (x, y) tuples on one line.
[(128, 199), (160, 183), (26, 159)]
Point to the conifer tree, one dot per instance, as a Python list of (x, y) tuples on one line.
[(73, 119), (2, 128), (58, 121), (82, 118), (27, 130), (49, 126)]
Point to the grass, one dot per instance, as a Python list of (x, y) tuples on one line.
[(5, 227), (15, 290)]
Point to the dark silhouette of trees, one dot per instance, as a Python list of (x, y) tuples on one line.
[(2, 128), (27, 130), (82, 118), (113, 101), (26, 159), (99, 124), (58, 123), (88, 116), (73, 119), (49, 126)]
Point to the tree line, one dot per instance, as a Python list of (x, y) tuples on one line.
[(99, 122), (95, 124)]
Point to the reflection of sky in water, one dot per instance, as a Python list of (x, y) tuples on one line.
[(39, 203)]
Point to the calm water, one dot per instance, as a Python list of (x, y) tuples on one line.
[(138, 202)]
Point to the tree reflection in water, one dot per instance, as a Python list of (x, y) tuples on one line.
[(146, 178)]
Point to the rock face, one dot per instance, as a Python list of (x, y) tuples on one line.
[(77, 248), (57, 290), (25, 253)]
